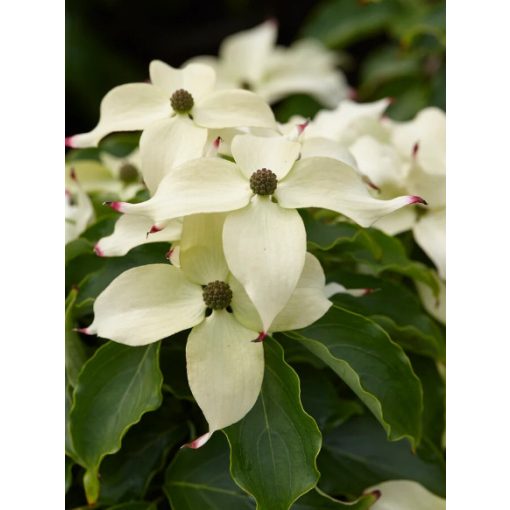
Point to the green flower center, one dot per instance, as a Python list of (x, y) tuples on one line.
[(217, 295), (263, 182), (128, 173), (182, 101)]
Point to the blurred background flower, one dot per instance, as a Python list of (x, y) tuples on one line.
[(392, 48)]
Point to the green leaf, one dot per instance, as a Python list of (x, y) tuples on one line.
[(126, 475), (135, 505), (434, 393), (320, 397), (69, 472), (339, 23), (173, 365), (274, 447), (201, 479), (357, 455), (76, 248), (116, 386), (372, 365), (396, 309), (370, 248), (318, 500), (75, 351)]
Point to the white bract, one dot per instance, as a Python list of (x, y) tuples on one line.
[(264, 236), (406, 495), (250, 59), (225, 366), (79, 212), (175, 112), (117, 175)]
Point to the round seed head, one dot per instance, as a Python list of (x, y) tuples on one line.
[(128, 173), (263, 182), (181, 101), (217, 295)]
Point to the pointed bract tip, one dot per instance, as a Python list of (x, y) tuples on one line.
[(198, 442), (69, 142), (414, 199), (272, 21), (155, 229), (301, 127), (391, 100), (85, 331), (416, 146), (368, 291), (376, 493), (116, 206), (72, 174), (168, 254), (262, 336), (352, 94), (98, 251), (217, 141)]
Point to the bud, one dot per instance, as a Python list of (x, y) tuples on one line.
[(217, 295), (182, 101), (263, 182), (128, 173)]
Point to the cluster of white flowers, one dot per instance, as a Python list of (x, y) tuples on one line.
[(225, 182)]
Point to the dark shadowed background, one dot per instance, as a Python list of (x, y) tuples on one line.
[(388, 47)]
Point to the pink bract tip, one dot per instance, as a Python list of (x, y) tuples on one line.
[(262, 336), (85, 331), (416, 146), (391, 100), (301, 127), (69, 141), (368, 291), (98, 251), (370, 183), (217, 141), (273, 21), (377, 494), (116, 206), (155, 229), (198, 442), (168, 254), (352, 94), (413, 199)]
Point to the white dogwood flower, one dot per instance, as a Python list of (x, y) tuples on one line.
[(175, 112), (117, 175), (79, 212), (250, 59), (225, 363), (264, 236)]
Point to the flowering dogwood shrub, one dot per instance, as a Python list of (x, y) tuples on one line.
[(254, 308)]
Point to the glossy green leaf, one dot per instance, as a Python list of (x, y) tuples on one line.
[(274, 447), (200, 479), (319, 500), (396, 308), (357, 455), (126, 475), (370, 248), (76, 353), (115, 388), (76, 248), (372, 365), (320, 396), (173, 365), (434, 394)]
